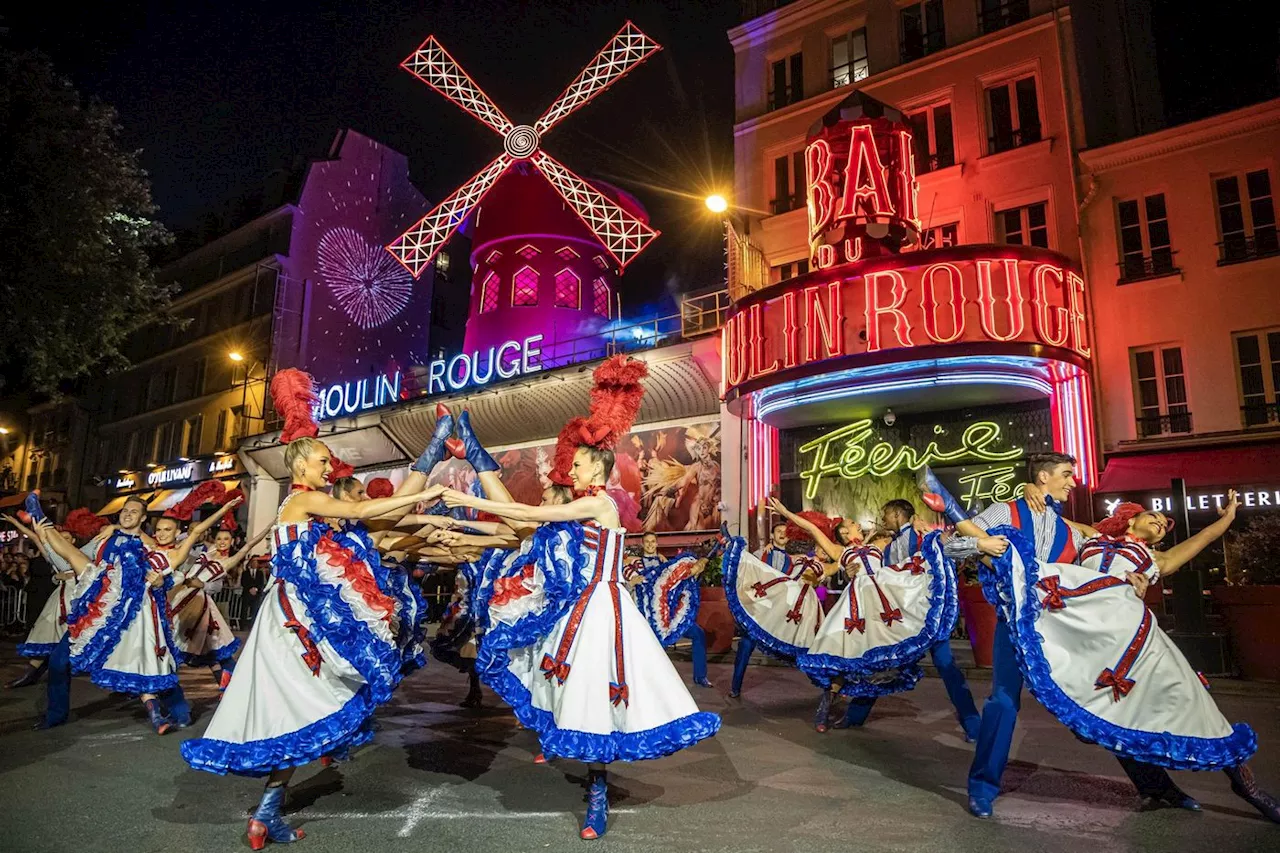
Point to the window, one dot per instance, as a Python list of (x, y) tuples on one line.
[(1013, 115), (788, 183), (783, 272), (1258, 357), (160, 442), (940, 236), (493, 257), (192, 429), (601, 262), (1160, 392), (997, 14), (442, 265), (922, 29), (600, 297), (104, 461), (849, 58), (524, 287), (229, 429), (489, 292), (528, 252), (1143, 226), (1024, 226), (199, 369), (566, 253), (786, 81), (931, 138), (567, 286), (1248, 230)]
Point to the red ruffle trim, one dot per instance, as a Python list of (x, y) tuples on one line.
[(356, 572), (93, 612)]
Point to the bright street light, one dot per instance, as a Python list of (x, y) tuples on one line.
[(235, 356), (4, 430), (717, 204)]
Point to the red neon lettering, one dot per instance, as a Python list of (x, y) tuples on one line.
[(852, 250), (905, 176), (955, 299), (898, 294), (756, 318), (826, 257), (865, 184), (824, 322), (1012, 300), (1047, 317), (1075, 284), (736, 350), (822, 192), (790, 330)]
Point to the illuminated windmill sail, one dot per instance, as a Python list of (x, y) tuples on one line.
[(622, 234)]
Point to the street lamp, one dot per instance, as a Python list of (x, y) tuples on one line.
[(717, 203), (238, 358), (235, 356), (4, 430)]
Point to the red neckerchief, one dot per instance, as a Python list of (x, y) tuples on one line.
[(300, 487)]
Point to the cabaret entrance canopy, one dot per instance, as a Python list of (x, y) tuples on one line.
[(621, 233)]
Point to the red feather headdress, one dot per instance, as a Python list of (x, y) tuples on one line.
[(1117, 524), (379, 487), (229, 520), (210, 491), (83, 524), (817, 519), (294, 399), (615, 402)]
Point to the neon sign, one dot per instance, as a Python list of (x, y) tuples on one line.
[(513, 358), (856, 459), (347, 398), (964, 295), (126, 482), (162, 476), (1203, 501), (221, 464), (994, 485)]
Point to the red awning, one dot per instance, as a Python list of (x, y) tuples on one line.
[(1228, 466)]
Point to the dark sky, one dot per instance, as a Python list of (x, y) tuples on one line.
[(218, 94)]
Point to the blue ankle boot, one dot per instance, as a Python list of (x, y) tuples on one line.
[(597, 821), (479, 458), (159, 718), (938, 499), (32, 507), (267, 824), (822, 715), (436, 447)]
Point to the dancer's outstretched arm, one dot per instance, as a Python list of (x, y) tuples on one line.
[(182, 550), (833, 550), (1179, 555), (591, 507), (234, 560), (323, 506)]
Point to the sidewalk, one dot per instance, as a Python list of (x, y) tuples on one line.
[(964, 658)]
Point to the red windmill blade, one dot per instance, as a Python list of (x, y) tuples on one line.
[(622, 234)]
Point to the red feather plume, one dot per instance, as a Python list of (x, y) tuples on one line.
[(294, 399), (379, 487), (210, 491), (819, 520), (339, 469), (83, 524), (615, 401)]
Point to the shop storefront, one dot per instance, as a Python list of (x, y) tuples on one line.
[(162, 486), (882, 360)]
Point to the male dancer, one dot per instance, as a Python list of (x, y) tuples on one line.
[(1053, 474), (899, 517), (651, 560), (775, 555)]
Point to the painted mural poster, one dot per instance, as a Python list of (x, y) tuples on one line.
[(663, 480)]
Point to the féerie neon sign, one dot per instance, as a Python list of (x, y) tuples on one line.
[(856, 459)]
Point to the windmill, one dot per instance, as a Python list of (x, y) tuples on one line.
[(623, 235)]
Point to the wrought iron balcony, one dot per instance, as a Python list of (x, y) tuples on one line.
[(1140, 267), (1260, 414), (1006, 14), (1008, 140), (1171, 424), (1238, 248)]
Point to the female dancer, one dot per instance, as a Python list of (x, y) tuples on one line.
[(668, 595), (1093, 654), (321, 655), (564, 644)]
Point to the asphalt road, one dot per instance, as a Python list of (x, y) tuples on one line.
[(439, 777)]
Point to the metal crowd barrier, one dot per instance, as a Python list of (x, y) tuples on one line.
[(13, 608), (236, 606)]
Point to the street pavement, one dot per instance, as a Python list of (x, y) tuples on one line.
[(439, 777)]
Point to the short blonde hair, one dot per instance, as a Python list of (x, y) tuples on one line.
[(298, 451)]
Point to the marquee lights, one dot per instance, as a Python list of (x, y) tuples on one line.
[(968, 297), (844, 452), (623, 235)]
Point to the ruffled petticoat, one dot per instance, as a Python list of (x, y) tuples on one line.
[(781, 613), (668, 598), (1092, 653), (455, 640), (566, 647), (321, 657), (411, 610), (119, 625), (51, 625), (885, 621)]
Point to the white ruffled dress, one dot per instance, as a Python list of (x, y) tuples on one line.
[(200, 628), (775, 608)]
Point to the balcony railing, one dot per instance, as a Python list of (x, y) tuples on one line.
[(1237, 248), (1171, 424), (787, 203), (1260, 414), (1010, 139), (1006, 14), (1140, 267)]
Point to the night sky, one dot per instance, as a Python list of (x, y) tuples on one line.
[(219, 94)]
